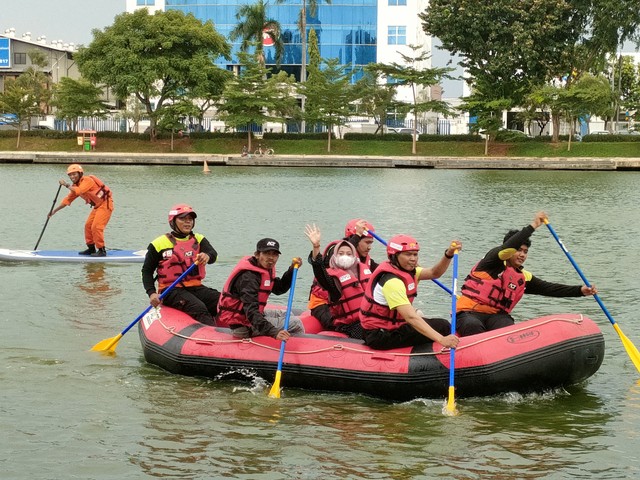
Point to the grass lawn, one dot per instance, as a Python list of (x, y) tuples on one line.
[(233, 146)]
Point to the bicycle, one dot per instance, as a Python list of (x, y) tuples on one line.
[(263, 150)]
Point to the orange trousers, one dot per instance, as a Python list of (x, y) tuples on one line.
[(96, 223)]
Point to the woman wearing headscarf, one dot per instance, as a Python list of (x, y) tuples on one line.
[(344, 280)]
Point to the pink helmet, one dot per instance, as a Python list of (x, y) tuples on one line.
[(402, 243), (180, 209), (350, 228)]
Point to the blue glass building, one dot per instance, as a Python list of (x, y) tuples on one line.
[(346, 29)]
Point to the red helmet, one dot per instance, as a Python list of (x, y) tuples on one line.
[(350, 228), (180, 209), (402, 243), (74, 167)]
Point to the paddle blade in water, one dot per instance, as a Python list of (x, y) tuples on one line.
[(450, 408), (107, 345), (631, 349), (275, 388)]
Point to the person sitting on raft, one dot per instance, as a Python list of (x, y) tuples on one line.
[(246, 292), (496, 284), (170, 255), (387, 314), (343, 280), (356, 232)]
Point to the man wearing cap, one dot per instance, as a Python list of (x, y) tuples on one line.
[(246, 293), (93, 191), (498, 281)]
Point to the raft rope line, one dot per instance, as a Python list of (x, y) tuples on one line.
[(340, 346)]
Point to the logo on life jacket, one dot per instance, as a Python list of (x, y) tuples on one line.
[(167, 253), (345, 277), (188, 254), (267, 283), (512, 286)]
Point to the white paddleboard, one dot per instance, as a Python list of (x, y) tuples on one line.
[(113, 256)]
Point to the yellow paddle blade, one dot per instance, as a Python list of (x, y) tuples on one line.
[(275, 388), (107, 345), (631, 349), (450, 408)]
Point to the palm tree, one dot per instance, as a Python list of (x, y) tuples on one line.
[(302, 25), (253, 25)]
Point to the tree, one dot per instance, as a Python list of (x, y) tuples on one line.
[(408, 74), (36, 82), (375, 98), (249, 99), (153, 57), (518, 46), (329, 95), (21, 101), (253, 24), (209, 93), (77, 98)]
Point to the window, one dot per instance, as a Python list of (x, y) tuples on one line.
[(20, 58), (397, 2), (144, 3), (397, 35)]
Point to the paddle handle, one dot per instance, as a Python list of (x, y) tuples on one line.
[(577, 268), (47, 220), (384, 242), (288, 314), (162, 295), (452, 355)]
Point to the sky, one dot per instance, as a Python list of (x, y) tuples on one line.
[(72, 21), (68, 20)]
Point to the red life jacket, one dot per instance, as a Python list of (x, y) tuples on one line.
[(97, 195), (375, 315), (317, 294), (503, 292), (177, 259), (230, 308), (347, 309)]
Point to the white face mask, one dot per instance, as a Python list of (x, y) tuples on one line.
[(345, 261)]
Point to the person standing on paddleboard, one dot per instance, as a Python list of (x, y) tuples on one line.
[(93, 191)]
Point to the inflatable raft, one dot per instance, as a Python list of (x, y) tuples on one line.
[(531, 356)]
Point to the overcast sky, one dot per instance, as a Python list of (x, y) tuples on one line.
[(68, 20)]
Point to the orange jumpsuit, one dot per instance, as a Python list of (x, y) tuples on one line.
[(93, 191)]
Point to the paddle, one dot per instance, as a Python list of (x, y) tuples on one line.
[(275, 388), (47, 221), (450, 409), (108, 345), (632, 351), (384, 242)]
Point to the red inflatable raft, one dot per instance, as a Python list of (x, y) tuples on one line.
[(531, 356)]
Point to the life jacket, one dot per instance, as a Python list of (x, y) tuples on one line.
[(230, 308), (502, 293), (97, 195), (318, 295), (347, 309), (177, 256), (375, 315)]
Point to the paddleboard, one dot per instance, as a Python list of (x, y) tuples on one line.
[(113, 256)]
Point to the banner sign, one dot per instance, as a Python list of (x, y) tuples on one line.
[(5, 53)]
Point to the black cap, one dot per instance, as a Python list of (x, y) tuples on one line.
[(268, 245)]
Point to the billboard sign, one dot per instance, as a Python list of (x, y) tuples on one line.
[(5, 53)]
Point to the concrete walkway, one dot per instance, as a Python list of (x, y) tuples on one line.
[(515, 163)]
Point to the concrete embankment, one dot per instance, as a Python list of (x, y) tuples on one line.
[(514, 163)]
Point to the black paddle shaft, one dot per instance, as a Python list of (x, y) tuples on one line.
[(47, 221)]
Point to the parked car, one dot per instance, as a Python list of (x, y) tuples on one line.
[(41, 127), (600, 132), (404, 130)]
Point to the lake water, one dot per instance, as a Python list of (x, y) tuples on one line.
[(67, 412)]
